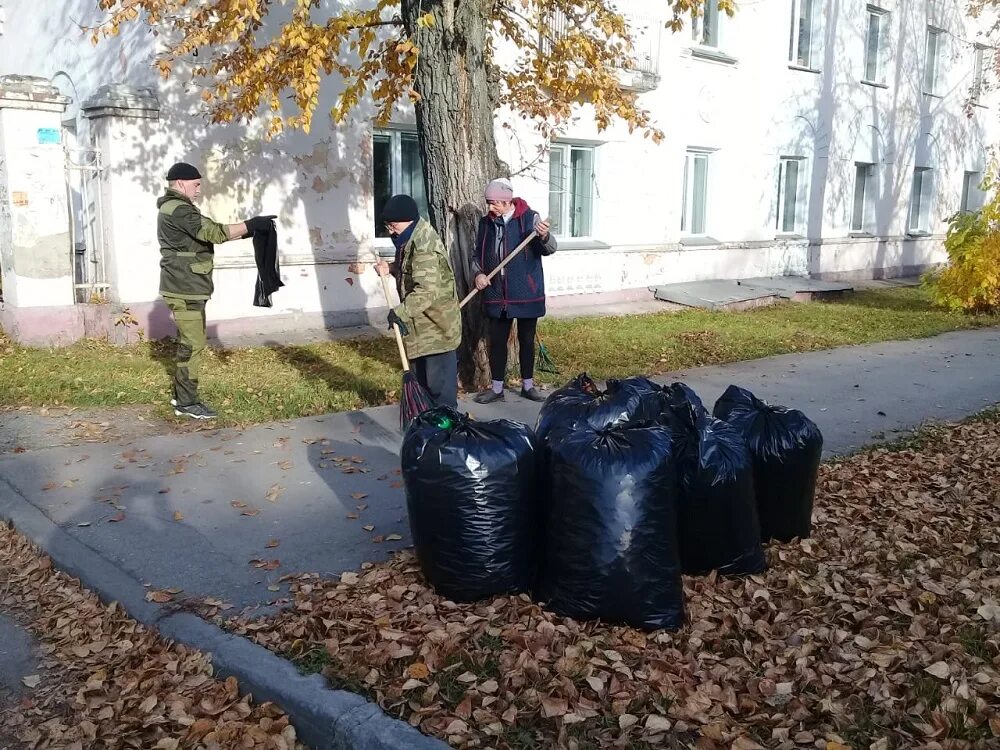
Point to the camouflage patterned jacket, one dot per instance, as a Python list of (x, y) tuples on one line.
[(427, 290), (187, 252)]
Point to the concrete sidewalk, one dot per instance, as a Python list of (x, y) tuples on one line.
[(225, 514)]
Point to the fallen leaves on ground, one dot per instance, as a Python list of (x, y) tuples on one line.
[(881, 631), (109, 682)]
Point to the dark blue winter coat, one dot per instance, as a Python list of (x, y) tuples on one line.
[(519, 289)]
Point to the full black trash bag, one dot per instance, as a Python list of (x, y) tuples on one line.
[(717, 525), (581, 401), (786, 447), (472, 498), (611, 529)]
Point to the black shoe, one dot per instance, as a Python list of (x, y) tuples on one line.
[(533, 394), (488, 397), (196, 411)]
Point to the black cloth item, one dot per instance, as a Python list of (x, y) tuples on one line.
[(265, 253), (183, 171)]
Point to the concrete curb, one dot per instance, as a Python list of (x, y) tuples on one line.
[(324, 719)]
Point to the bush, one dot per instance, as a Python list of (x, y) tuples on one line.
[(971, 280)]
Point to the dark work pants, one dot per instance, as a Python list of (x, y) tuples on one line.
[(438, 373), (499, 333)]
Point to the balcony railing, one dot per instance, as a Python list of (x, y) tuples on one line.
[(643, 73)]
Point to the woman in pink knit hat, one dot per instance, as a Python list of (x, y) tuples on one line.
[(518, 291)]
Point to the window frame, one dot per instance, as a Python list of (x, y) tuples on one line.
[(395, 136), (934, 73), (562, 229), (799, 206), (918, 219), (970, 190), (978, 72), (881, 52), (699, 29), (869, 189), (795, 36), (687, 192)]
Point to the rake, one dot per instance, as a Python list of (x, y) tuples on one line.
[(414, 398)]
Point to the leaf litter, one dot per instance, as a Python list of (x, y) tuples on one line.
[(881, 631), (111, 682)]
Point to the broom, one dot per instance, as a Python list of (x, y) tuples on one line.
[(414, 398)]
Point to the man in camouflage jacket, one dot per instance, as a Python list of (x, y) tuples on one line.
[(187, 257), (428, 315)]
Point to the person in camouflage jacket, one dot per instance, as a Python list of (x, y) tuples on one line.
[(428, 315), (187, 257)]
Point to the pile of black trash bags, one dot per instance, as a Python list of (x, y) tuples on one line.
[(615, 494)]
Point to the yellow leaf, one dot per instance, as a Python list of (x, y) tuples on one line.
[(418, 671)]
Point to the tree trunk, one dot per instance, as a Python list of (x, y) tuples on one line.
[(458, 146)]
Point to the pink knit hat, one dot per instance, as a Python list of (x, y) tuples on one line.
[(499, 189)]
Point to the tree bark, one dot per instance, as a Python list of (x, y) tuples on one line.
[(455, 117)]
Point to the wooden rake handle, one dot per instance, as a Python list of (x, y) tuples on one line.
[(395, 328), (495, 271)]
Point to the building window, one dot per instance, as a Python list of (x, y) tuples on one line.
[(863, 210), (972, 196), (876, 45), (932, 59), (694, 206), (920, 201), (571, 190), (800, 48), (705, 27), (791, 195), (397, 169), (978, 54)]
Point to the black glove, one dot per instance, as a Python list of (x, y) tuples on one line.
[(259, 224), (395, 320)]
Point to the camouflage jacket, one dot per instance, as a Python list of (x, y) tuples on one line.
[(187, 252), (427, 290)]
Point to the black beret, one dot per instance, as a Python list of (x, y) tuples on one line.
[(183, 171), (400, 208)]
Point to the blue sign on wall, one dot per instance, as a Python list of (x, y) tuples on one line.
[(49, 135)]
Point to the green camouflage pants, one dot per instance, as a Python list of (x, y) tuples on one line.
[(189, 316)]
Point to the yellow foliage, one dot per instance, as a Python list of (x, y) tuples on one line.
[(971, 280), (250, 68)]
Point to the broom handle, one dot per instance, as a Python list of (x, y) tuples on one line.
[(495, 271), (395, 328)]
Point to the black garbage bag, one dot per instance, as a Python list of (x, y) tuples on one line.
[(472, 498), (717, 525), (580, 401), (786, 447), (611, 529), (680, 396)]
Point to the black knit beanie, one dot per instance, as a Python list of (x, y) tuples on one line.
[(183, 171), (400, 208)]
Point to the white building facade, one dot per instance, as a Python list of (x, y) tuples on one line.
[(830, 138)]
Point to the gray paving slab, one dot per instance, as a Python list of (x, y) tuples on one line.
[(711, 294), (788, 286), (18, 657)]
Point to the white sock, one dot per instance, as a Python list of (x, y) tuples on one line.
[(528, 384), (498, 386)]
